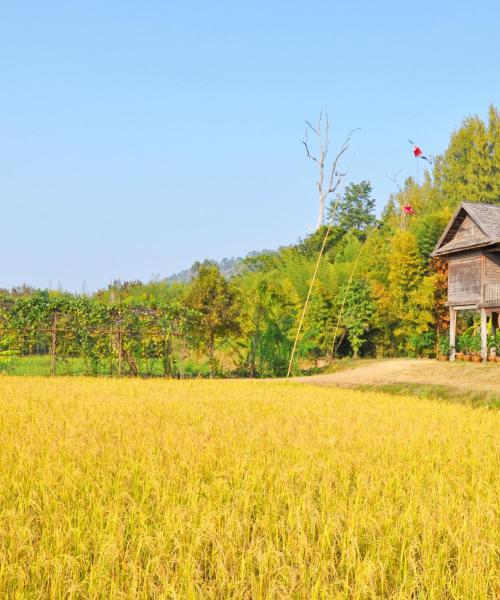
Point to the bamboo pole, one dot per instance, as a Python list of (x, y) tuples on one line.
[(304, 310), (349, 286)]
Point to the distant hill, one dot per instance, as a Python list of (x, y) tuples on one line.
[(229, 267)]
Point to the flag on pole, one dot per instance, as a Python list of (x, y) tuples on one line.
[(418, 152), (409, 210)]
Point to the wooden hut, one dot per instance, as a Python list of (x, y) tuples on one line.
[(471, 245)]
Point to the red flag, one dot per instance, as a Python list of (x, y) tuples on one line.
[(409, 209), (418, 152)]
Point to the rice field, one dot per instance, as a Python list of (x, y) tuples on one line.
[(230, 489)]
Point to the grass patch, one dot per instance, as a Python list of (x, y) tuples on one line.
[(436, 392), (39, 366), (346, 364)]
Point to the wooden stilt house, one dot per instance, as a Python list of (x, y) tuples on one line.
[(471, 245)]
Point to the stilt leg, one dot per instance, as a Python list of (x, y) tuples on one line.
[(453, 332), (484, 336)]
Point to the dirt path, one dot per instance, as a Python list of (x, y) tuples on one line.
[(463, 376)]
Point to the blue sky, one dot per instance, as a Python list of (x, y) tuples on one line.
[(138, 137)]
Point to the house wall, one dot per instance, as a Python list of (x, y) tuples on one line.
[(465, 278), (491, 292), (492, 268)]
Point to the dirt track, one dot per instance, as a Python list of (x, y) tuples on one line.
[(460, 375)]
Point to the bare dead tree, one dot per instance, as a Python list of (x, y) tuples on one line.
[(329, 176)]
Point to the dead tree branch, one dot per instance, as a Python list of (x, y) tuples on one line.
[(321, 131)]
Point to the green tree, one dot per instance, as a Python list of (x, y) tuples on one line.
[(214, 300), (358, 313), (267, 311), (355, 210), (311, 244), (470, 167), (405, 275), (420, 318), (319, 324), (428, 229)]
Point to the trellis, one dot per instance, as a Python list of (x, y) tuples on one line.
[(93, 338)]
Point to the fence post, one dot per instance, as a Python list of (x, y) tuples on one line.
[(53, 342), (120, 350)]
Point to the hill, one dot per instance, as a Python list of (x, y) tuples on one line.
[(229, 267)]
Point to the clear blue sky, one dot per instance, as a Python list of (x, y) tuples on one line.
[(137, 137)]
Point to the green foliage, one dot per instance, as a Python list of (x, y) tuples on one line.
[(214, 302), (470, 167), (358, 313), (311, 245), (245, 324), (112, 338), (444, 345), (405, 271), (320, 322), (428, 229), (420, 318), (355, 210), (469, 341), (268, 311), (475, 343)]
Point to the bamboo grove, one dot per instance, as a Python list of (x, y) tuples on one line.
[(375, 280)]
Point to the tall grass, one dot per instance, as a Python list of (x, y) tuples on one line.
[(227, 489), (40, 366)]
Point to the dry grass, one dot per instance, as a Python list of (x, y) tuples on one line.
[(459, 376), (153, 489)]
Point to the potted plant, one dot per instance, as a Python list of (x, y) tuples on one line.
[(443, 348), (464, 342), (492, 356), (475, 348), (495, 343)]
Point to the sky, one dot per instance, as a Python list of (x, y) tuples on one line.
[(138, 137)]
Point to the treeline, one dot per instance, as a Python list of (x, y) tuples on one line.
[(377, 294)]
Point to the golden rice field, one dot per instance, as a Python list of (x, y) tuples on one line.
[(228, 489)]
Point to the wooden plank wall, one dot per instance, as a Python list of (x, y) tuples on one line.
[(465, 279), (491, 269)]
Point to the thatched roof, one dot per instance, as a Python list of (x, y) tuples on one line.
[(472, 226)]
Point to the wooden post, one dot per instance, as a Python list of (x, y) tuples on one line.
[(484, 336), (53, 343), (494, 327), (453, 332), (119, 343)]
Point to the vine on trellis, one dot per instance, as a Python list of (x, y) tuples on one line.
[(116, 339)]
